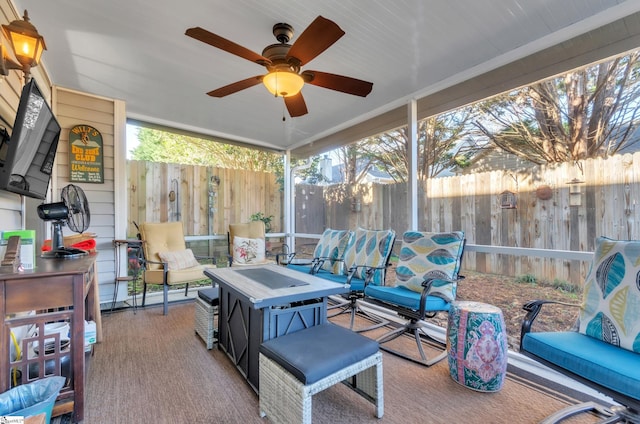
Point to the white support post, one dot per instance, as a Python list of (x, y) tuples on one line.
[(289, 218), (412, 148)]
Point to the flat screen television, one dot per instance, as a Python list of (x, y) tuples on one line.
[(30, 151)]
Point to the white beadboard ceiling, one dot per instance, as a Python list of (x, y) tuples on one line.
[(441, 53)]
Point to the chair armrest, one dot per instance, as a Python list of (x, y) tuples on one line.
[(369, 272), (316, 264), (426, 284), (284, 258), (533, 308), (165, 267)]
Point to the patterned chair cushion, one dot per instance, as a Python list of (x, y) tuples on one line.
[(369, 248), (611, 296), (331, 245), (248, 250), (425, 254)]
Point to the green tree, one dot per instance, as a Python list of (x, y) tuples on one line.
[(440, 146), (586, 113), (162, 146)]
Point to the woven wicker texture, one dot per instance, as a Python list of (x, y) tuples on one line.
[(284, 399), (204, 322)]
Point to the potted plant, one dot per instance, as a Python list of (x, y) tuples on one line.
[(259, 216)]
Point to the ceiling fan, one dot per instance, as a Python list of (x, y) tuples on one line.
[(283, 62)]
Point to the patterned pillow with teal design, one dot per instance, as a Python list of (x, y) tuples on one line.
[(331, 245), (436, 255), (611, 295), (369, 248)]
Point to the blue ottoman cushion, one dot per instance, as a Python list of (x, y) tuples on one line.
[(210, 296), (334, 348)]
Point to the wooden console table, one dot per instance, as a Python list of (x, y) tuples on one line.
[(259, 303), (56, 290)]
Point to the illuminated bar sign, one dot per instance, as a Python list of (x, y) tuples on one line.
[(86, 156)]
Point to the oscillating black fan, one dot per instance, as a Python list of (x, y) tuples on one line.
[(73, 211)]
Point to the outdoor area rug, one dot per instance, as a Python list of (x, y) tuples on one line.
[(153, 368)]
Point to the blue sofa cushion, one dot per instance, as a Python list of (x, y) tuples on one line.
[(317, 352), (598, 361), (402, 296)]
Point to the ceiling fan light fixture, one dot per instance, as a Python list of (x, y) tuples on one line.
[(283, 83)]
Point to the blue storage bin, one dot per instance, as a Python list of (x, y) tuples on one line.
[(32, 399)]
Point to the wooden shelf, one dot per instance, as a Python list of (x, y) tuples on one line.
[(59, 290), (124, 279)]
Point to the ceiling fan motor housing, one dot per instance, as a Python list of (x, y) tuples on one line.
[(283, 32)]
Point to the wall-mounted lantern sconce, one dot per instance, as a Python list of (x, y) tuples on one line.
[(26, 43), (575, 194), (356, 205)]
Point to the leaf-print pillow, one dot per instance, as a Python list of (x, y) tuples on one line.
[(611, 296)]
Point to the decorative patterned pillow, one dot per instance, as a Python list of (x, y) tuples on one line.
[(331, 245), (248, 250), (436, 255), (179, 259), (369, 248), (611, 295)]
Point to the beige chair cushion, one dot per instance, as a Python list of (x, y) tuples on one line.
[(161, 237), (167, 239), (248, 231), (253, 229), (177, 276)]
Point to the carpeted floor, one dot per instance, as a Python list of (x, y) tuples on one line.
[(153, 368)]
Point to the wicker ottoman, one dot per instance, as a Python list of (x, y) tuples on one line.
[(205, 311), (298, 365)]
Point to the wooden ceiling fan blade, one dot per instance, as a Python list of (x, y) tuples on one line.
[(318, 37), (221, 43), (296, 105), (236, 86), (338, 82)]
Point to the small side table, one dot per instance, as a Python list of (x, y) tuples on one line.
[(477, 345), (136, 245)]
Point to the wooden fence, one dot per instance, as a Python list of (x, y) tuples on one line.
[(557, 207), (205, 199)]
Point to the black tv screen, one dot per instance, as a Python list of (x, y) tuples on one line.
[(31, 149)]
